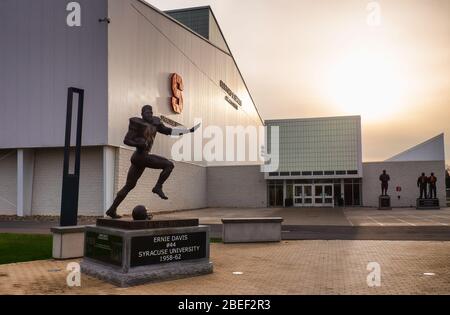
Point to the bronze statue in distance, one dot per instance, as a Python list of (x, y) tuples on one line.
[(432, 182), (384, 178), (422, 183), (141, 135)]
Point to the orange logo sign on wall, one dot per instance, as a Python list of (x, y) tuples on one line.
[(177, 93)]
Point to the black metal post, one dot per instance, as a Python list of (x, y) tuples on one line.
[(71, 182)]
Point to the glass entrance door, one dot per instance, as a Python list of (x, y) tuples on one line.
[(323, 196), (298, 195), (328, 196), (308, 195), (318, 195), (303, 195)]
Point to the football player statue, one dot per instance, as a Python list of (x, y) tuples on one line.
[(384, 178), (141, 135)]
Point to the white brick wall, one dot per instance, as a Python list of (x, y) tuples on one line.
[(236, 186), (47, 184), (8, 182), (186, 187), (403, 174), (189, 187)]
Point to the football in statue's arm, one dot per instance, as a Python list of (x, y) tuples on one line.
[(193, 129)]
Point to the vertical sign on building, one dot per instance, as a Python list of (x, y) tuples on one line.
[(71, 182)]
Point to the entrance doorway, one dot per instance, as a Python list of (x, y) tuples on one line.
[(303, 195), (317, 195), (323, 196)]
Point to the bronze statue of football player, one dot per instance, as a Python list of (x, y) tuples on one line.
[(384, 178), (141, 135)]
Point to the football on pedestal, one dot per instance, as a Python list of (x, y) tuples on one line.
[(140, 213)]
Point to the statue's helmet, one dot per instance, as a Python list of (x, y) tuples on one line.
[(147, 107)]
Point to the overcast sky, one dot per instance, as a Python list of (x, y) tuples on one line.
[(313, 58)]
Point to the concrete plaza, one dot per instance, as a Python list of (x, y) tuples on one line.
[(290, 267), (340, 224), (299, 223), (304, 263), (326, 216)]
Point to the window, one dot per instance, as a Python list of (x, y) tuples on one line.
[(289, 202), (304, 181), (353, 192), (356, 194), (338, 200), (275, 193), (323, 181), (348, 194)]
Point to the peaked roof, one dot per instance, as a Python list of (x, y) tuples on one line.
[(430, 150), (228, 51), (215, 35)]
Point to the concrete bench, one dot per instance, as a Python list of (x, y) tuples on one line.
[(251, 230), (68, 242)]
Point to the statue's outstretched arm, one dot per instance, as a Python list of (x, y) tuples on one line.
[(182, 131), (178, 131)]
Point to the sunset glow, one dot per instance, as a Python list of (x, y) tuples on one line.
[(369, 84), (333, 58)]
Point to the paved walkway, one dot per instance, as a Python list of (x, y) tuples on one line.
[(292, 267), (338, 223), (35, 225), (325, 216), (388, 233), (328, 216), (398, 217), (291, 216), (318, 221)]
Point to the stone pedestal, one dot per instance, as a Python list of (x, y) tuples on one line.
[(68, 242), (128, 253), (384, 203), (428, 204)]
